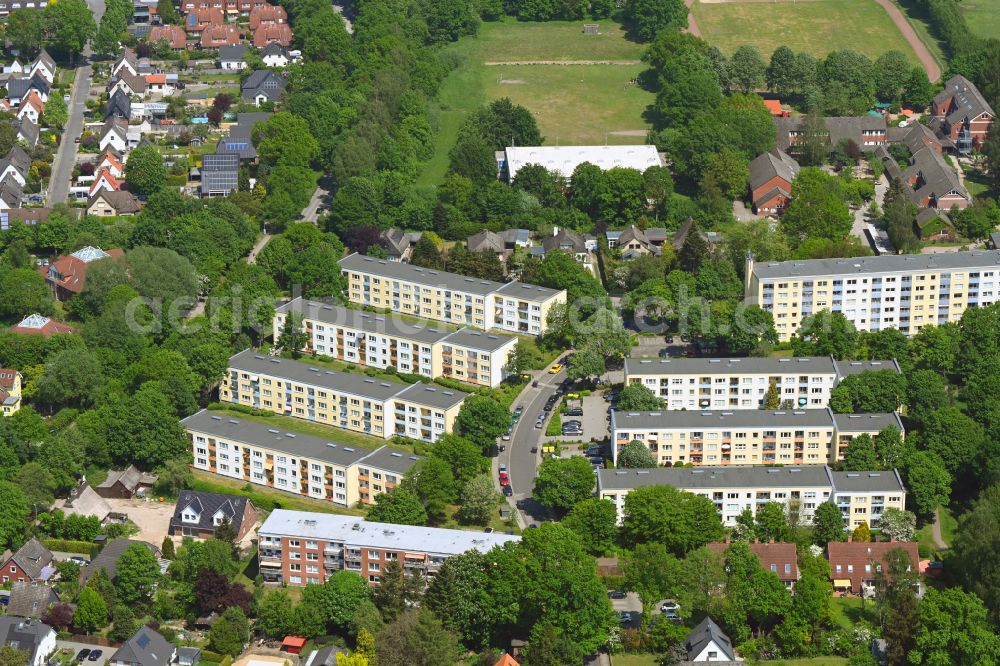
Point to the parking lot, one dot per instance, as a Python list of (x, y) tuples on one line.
[(629, 604), (594, 420), (74, 649)]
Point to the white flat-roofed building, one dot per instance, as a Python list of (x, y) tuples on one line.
[(300, 547), (742, 383), (733, 489), (905, 292), (745, 437), (514, 307), (564, 159), (384, 340)]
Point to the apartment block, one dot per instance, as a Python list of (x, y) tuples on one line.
[(742, 383), (382, 341), (733, 489), (514, 307), (340, 399), (316, 467), (745, 437), (905, 292), (300, 547)]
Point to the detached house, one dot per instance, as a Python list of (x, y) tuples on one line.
[(233, 57), (27, 132), (105, 182), (962, 114), (771, 176), (15, 165), (67, 274), (220, 174), (36, 324), (31, 107), (566, 240), (18, 88), (199, 515), (399, 244), (109, 162), (780, 559), (10, 391), (32, 636), (634, 242), (263, 86), (274, 55), (707, 643), (128, 83), (44, 65), (146, 648), (126, 62), (119, 106), (30, 564), (109, 204), (114, 135)]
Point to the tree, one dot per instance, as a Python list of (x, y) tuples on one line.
[(144, 171), (636, 455), (587, 364), (926, 391), (747, 69), (990, 148), (650, 572), (976, 539), (58, 616), (396, 592), (826, 334), (417, 637), (11, 656), (860, 454), (91, 611), (623, 195), (772, 523), (124, 623), (862, 533), (870, 391), (13, 514), (136, 575), (694, 250), (727, 170), (649, 17), (479, 501), (927, 482), (293, 335), (68, 26), (897, 524), (22, 292), (25, 30), (427, 254), (955, 438), (562, 483), (481, 420), (167, 12), (72, 378), (340, 597), (828, 524), (230, 632), (781, 71), (595, 522), (818, 209), (400, 507), (681, 521), (953, 628), (56, 114), (638, 398), (892, 73), (464, 458), (772, 399)]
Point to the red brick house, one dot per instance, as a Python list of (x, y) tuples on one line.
[(780, 559), (272, 33), (199, 515), (267, 15), (32, 563), (962, 113), (855, 565), (217, 36), (199, 19), (172, 34), (232, 8), (771, 176)]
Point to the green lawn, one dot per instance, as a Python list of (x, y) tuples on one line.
[(983, 16), (847, 611), (573, 104), (920, 21), (810, 661), (815, 26), (924, 536)]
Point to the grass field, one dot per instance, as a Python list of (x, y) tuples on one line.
[(815, 26), (924, 536), (983, 16), (920, 20), (573, 104)]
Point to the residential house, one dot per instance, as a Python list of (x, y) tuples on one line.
[(27, 132), (173, 35), (10, 391), (326, 656), (274, 55), (488, 241), (707, 643), (15, 164), (11, 192), (196, 21), (15, 67), (36, 324), (32, 563), (127, 62), (564, 159), (126, 483), (399, 244), (110, 163), (580, 246), (188, 656), (233, 57), (128, 83), (67, 275), (233, 8), (781, 559), (26, 216), (106, 182), (868, 132), (119, 106), (241, 146), (31, 107), (771, 177), (855, 565), (114, 135), (32, 636), (44, 65), (144, 13), (962, 114), (84, 501), (634, 242), (267, 15), (29, 600), (145, 648), (18, 88), (108, 558), (109, 204), (161, 84), (263, 86), (216, 36), (916, 136), (220, 174), (273, 33), (199, 515)]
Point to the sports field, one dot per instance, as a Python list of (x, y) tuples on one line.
[(983, 16), (587, 99), (814, 26)]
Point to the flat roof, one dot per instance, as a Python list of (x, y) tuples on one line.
[(736, 418), (564, 159), (732, 476), (528, 292), (728, 366), (887, 481), (343, 382), (432, 395), (867, 422), (357, 531), (888, 263), (365, 321), (478, 340), (325, 449), (845, 368)]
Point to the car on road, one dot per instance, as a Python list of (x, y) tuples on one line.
[(516, 416), (82, 654), (95, 655), (616, 594), (507, 490), (555, 369), (534, 449)]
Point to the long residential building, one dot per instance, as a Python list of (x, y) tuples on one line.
[(905, 292), (317, 467), (514, 307), (384, 340), (344, 400), (300, 547), (745, 437), (743, 383), (860, 496)]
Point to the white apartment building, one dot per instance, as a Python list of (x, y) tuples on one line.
[(743, 383), (905, 292)]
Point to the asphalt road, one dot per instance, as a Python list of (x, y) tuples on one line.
[(62, 165), (318, 201)]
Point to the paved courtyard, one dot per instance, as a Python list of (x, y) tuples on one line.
[(152, 517)]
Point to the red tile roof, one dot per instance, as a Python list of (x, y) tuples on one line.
[(47, 326), (215, 36), (69, 273), (272, 32), (267, 14), (174, 34), (860, 560), (198, 19), (774, 557)]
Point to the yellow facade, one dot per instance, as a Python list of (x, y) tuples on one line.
[(10, 391)]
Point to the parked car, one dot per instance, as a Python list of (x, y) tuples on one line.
[(571, 430), (516, 416), (95, 655), (503, 474), (504, 482), (82, 654), (576, 411), (79, 561), (616, 594), (596, 460), (506, 435), (507, 490), (592, 451), (626, 617), (503, 468), (669, 606)]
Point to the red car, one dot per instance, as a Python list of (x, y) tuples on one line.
[(504, 482), (503, 475)]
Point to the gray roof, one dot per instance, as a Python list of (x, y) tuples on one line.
[(232, 53), (845, 368), (220, 173), (146, 647), (886, 481), (486, 240), (18, 87), (966, 100), (87, 503), (123, 202), (934, 176), (478, 340), (263, 82), (135, 83), (238, 145), (326, 656), (867, 422), (324, 449), (389, 460), (23, 634), (107, 559), (44, 57), (272, 49), (766, 166), (28, 131), (32, 557), (206, 505), (27, 600), (725, 366), (737, 418), (527, 292), (431, 395), (565, 239), (889, 263), (423, 332), (703, 635), (130, 478), (838, 127), (732, 476), (19, 158), (119, 105)]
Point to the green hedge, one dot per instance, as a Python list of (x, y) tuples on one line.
[(214, 657), (68, 546)]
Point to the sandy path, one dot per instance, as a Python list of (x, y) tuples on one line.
[(692, 24), (500, 63), (926, 59)]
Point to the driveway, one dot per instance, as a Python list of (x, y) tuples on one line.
[(861, 214), (318, 202), (75, 648), (153, 518)]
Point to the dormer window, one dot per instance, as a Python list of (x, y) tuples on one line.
[(189, 516)]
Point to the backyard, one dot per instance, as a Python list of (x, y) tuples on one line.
[(814, 26)]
